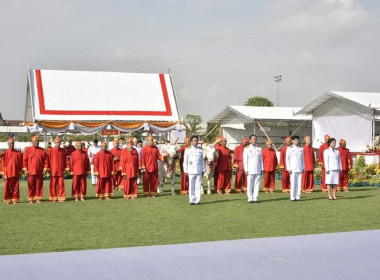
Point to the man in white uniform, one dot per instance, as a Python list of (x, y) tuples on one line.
[(253, 168), (92, 151), (194, 167), (295, 167)]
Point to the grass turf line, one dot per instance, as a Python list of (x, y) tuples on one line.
[(93, 224)]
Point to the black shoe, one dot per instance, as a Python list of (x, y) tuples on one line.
[(192, 203), (251, 201), (256, 201), (198, 203)]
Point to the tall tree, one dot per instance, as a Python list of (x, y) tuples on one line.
[(258, 101), (192, 122)]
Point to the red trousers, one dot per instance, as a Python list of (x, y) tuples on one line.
[(54, 182), (184, 183), (117, 179), (216, 175), (104, 187), (224, 181), (323, 184), (269, 181), (35, 187), (285, 181), (308, 181), (130, 187), (12, 190), (343, 180), (79, 186), (150, 183), (240, 181)]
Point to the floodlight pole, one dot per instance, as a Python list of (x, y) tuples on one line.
[(278, 79)]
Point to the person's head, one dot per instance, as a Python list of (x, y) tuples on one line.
[(326, 138), (79, 145), (129, 142), (307, 139), (11, 143), (48, 144), (253, 139), (35, 141), (342, 143), (57, 141), (139, 143), (149, 141), (269, 144), (331, 142), (245, 141), (70, 141), (295, 140), (155, 141), (83, 145), (115, 142), (194, 141), (223, 142), (95, 142), (104, 146), (187, 141), (288, 141), (135, 140)]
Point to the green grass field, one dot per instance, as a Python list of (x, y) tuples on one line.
[(93, 224)]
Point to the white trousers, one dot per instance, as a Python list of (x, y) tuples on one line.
[(94, 179), (253, 186), (295, 185), (195, 181)]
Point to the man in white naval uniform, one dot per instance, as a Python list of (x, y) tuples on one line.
[(92, 151), (253, 168), (295, 167), (194, 167)]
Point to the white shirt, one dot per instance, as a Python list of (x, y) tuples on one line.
[(252, 160), (294, 159), (92, 151), (193, 162), (332, 159)]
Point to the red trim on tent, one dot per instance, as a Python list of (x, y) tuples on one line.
[(43, 110)]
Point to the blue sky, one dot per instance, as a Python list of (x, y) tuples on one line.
[(219, 52)]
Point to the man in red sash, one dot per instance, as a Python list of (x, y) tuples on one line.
[(224, 168), (35, 165), (309, 162), (322, 148), (103, 169), (346, 160), (129, 166), (80, 167), (270, 165), (285, 174), (11, 165), (117, 179), (240, 178), (58, 166), (184, 177)]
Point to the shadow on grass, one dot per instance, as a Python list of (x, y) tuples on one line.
[(221, 201)]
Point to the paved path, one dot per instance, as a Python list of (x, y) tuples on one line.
[(348, 255)]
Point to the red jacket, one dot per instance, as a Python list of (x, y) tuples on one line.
[(309, 157), (345, 158), (35, 160), (322, 148), (224, 159), (238, 157), (283, 157), (269, 160), (103, 164), (11, 163), (129, 163), (149, 157), (58, 161), (79, 163)]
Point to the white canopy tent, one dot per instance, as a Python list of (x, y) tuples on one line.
[(273, 122), (88, 102), (345, 115)]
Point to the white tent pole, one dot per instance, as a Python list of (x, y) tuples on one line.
[(373, 129)]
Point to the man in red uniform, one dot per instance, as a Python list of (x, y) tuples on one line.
[(103, 168), (240, 178), (70, 148), (270, 163), (149, 156), (129, 166), (282, 166), (309, 163), (58, 167), (322, 148), (35, 165), (217, 146), (224, 168), (184, 176), (11, 165), (346, 160), (80, 167), (117, 179)]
